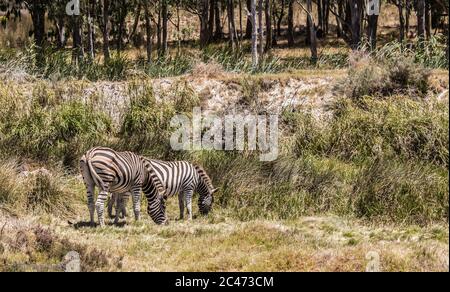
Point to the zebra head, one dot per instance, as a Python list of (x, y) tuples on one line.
[(206, 200), (157, 209)]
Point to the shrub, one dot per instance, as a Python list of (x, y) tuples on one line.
[(368, 77), (38, 192), (398, 128), (146, 124), (49, 129), (407, 192)]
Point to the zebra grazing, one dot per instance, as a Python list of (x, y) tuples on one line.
[(120, 172), (183, 178)]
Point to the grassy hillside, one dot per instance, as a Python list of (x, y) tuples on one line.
[(363, 167)]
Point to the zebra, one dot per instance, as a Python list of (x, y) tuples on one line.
[(121, 172), (183, 178)]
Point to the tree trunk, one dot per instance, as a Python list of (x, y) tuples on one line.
[(260, 28), (327, 16), (77, 40), (38, 18), (148, 31), (356, 7), (231, 24), (252, 16), (159, 30), (61, 31), (240, 21), (204, 29), (372, 30), (428, 19), (122, 18), (248, 28), (312, 32), (212, 14), (402, 20), (280, 18), (105, 30), (269, 32), (319, 12), (165, 20), (339, 17), (90, 27), (421, 19), (219, 33), (290, 33), (407, 16)]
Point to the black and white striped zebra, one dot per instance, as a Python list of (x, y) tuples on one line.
[(120, 172), (183, 178)]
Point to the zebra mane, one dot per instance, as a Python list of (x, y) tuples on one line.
[(154, 178), (204, 176)]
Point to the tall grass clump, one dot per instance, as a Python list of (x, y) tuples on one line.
[(146, 122), (146, 126), (169, 66), (378, 159), (369, 77), (406, 192), (428, 53), (397, 128), (48, 128), (38, 192)]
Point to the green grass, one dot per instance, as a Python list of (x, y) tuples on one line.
[(57, 64)]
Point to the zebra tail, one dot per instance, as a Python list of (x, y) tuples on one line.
[(97, 179)]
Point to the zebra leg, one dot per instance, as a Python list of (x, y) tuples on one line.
[(91, 205), (111, 202), (118, 201), (136, 197), (188, 197), (90, 188), (181, 204), (100, 204), (124, 201)]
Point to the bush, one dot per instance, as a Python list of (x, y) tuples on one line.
[(368, 77), (146, 124), (398, 128), (38, 192), (48, 129), (407, 192)]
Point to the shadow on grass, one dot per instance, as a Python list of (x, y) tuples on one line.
[(87, 224)]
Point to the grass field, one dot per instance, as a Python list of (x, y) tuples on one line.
[(360, 182), (367, 175)]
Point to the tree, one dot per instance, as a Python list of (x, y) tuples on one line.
[(290, 33), (204, 29), (372, 23), (37, 9), (260, 28), (105, 29), (421, 19), (356, 7), (269, 31), (252, 17), (312, 35), (148, 30), (231, 24)]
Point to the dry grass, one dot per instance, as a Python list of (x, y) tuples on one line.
[(218, 243)]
